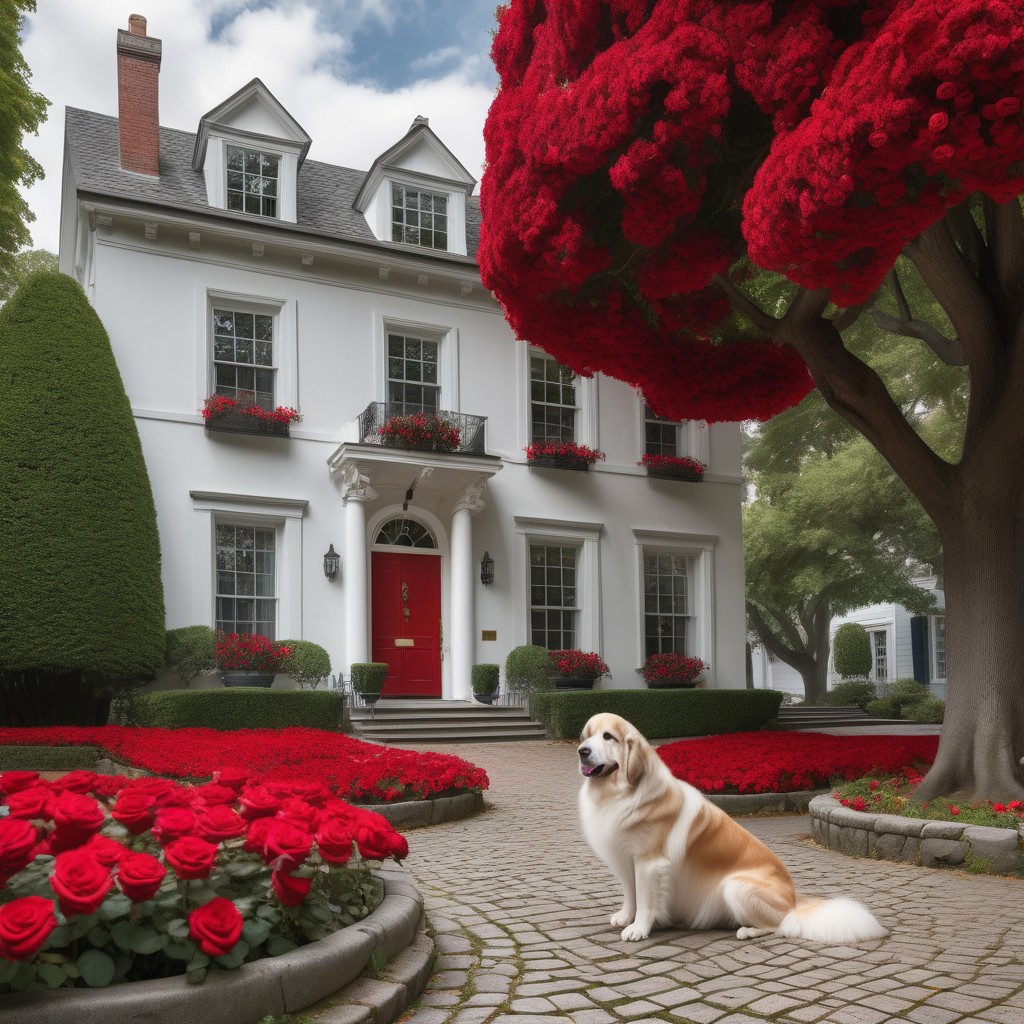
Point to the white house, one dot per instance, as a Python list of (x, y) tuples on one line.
[(225, 260), (903, 646)]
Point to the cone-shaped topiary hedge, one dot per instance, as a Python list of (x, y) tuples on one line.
[(81, 601), (852, 650)]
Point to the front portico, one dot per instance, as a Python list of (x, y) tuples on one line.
[(380, 487)]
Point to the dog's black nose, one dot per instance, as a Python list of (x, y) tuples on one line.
[(584, 751)]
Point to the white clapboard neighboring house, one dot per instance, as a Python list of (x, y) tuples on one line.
[(227, 260), (903, 646)]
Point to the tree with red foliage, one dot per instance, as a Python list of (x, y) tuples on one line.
[(651, 161)]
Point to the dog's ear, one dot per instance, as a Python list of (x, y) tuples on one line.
[(637, 753)]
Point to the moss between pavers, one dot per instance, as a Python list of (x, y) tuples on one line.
[(48, 759)]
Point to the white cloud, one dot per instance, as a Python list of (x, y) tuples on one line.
[(437, 58), (70, 47)]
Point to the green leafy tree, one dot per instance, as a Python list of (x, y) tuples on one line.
[(819, 542), (21, 111), (23, 264), (81, 601)]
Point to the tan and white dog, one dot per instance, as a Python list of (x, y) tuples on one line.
[(682, 860)]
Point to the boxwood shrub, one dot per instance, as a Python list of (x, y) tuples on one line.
[(659, 713), (242, 707), (48, 759), (485, 678)]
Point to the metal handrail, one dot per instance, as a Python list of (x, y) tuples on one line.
[(472, 429)]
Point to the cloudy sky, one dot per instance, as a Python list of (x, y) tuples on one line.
[(353, 73)]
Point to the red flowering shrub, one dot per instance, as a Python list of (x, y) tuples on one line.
[(175, 898), (348, 767), (249, 651), (418, 430), (221, 405), (668, 669), (784, 762), (576, 664), (568, 452)]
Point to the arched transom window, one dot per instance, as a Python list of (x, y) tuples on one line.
[(405, 533)]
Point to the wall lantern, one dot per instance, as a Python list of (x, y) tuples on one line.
[(486, 570), (332, 560)]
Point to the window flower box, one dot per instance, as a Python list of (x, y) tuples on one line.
[(671, 467), (575, 669), (241, 417), (249, 660), (672, 671), (562, 455), (420, 431)]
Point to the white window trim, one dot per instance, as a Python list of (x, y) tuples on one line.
[(586, 402), (585, 536), (379, 209), (215, 170), (693, 437), (701, 548), (933, 654), (285, 515), (286, 354), (447, 356)]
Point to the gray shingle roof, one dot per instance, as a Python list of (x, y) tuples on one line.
[(324, 198)]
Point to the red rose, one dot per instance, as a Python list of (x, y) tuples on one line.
[(334, 841), (216, 926), (15, 782), (106, 786), (34, 802), (233, 778), (301, 814), (139, 875), (286, 846), (17, 846), (211, 794), (78, 817), (106, 851), (135, 810), (25, 925), (291, 891), (165, 792), (173, 823), (258, 802), (190, 857), (256, 838), (80, 881), (398, 846), (77, 781), (373, 843), (219, 822)]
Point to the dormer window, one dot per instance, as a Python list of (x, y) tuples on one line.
[(252, 181), (418, 217)]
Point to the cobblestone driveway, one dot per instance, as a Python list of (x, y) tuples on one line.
[(520, 908)]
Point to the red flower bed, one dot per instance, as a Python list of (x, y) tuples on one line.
[(348, 767), (784, 762)]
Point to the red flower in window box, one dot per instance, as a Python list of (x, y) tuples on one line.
[(245, 416), (673, 467), (577, 664), (671, 670), (249, 652), (562, 455), (419, 430)]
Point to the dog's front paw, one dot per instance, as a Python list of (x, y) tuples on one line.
[(623, 917), (634, 933)]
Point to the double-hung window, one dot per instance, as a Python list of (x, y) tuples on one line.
[(243, 357), (553, 596), (667, 615), (419, 217), (246, 579), (880, 648), (940, 646), (412, 375), (552, 401), (252, 181), (661, 435)]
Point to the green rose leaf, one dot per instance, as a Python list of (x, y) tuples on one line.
[(52, 975), (269, 914), (242, 869), (178, 929), (98, 937), (82, 926), (121, 933), (145, 940), (8, 969), (96, 968), (195, 977), (236, 957), (122, 964), (279, 945), (255, 932), (70, 968), (58, 937), (24, 976), (180, 950), (114, 907), (198, 962)]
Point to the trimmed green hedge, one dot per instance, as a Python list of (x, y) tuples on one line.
[(484, 678), (659, 713), (48, 759), (242, 707)]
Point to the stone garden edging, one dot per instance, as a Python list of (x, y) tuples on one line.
[(274, 985), (932, 844), (760, 803), (420, 813)]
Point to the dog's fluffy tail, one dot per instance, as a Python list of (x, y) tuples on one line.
[(837, 920)]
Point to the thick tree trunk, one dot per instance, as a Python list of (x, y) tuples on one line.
[(982, 739)]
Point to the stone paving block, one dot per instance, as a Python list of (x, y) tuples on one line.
[(733, 997), (449, 979), (928, 1014), (571, 1001), (954, 1000), (534, 1004), (646, 986), (491, 982), (527, 1018), (1001, 1015), (616, 977), (807, 1014), (676, 997), (701, 1013), (592, 1017), (354, 1013), (452, 943), (545, 988), (604, 994), (739, 1018), (486, 999), (856, 1015), (886, 1002), (440, 998), (773, 1004), (472, 1015), (637, 1008)]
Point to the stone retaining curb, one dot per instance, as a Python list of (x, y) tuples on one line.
[(759, 803), (420, 813), (274, 985), (932, 844)]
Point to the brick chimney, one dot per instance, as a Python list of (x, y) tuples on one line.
[(138, 100)]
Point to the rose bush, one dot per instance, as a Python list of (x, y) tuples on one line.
[(92, 898), (348, 767), (785, 762)]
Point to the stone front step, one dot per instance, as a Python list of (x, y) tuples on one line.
[(811, 718), (397, 722)]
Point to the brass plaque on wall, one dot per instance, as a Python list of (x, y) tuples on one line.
[(488, 634), (405, 643)]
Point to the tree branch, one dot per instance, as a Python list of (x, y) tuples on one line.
[(968, 237), (795, 659), (947, 349), (1006, 245), (742, 303)]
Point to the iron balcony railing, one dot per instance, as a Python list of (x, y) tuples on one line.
[(470, 440)]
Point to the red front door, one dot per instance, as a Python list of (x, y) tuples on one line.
[(407, 622)]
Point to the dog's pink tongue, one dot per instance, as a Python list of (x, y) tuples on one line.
[(587, 770)]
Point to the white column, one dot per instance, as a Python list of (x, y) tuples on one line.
[(462, 628), (357, 492)]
